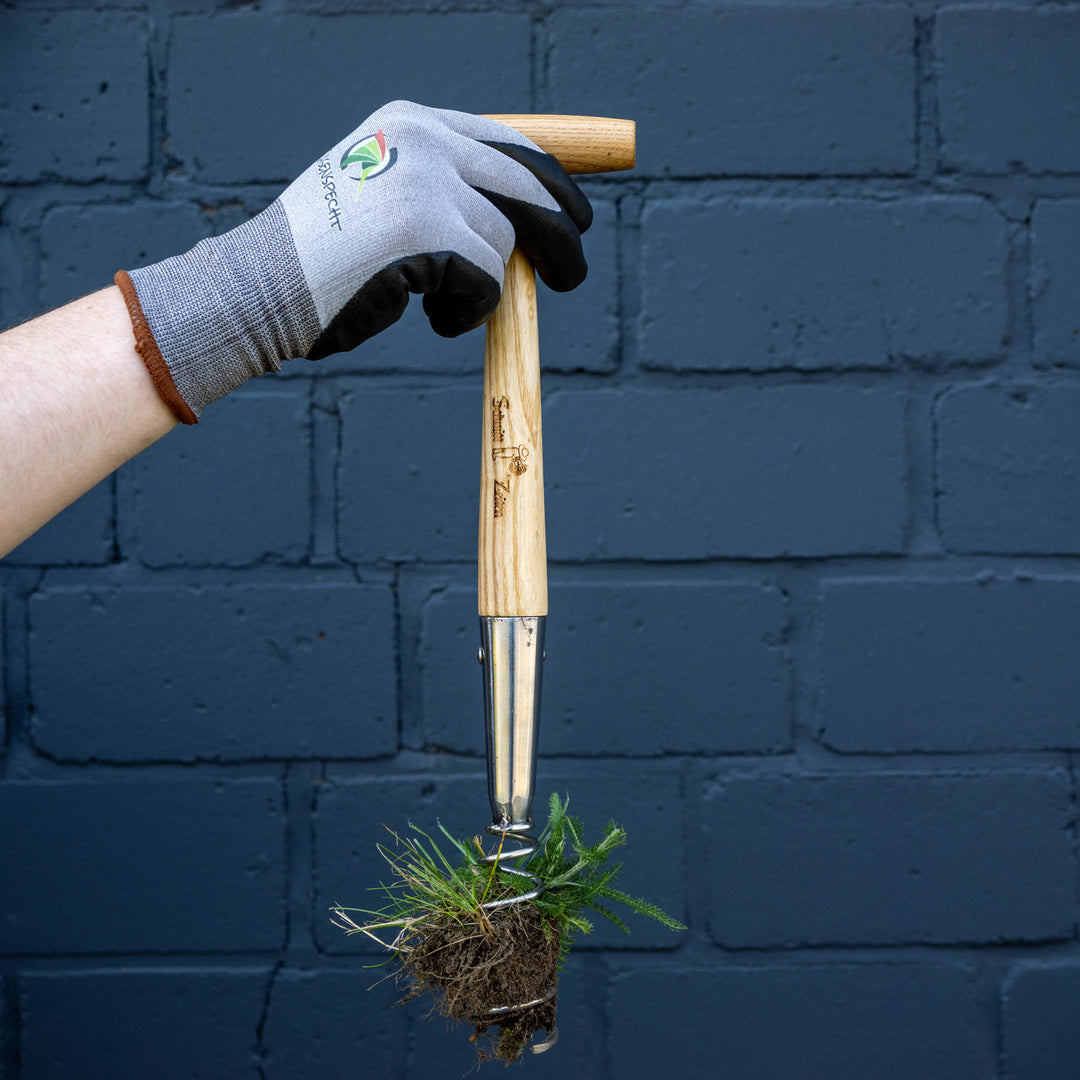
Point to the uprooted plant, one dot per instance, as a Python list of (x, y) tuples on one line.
[(494, 967)]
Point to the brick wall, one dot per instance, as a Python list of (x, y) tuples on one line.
[(813, 461)]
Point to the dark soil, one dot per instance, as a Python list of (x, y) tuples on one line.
[(470, 969)]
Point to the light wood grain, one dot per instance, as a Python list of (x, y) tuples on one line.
[(583, 144), (513, 545)]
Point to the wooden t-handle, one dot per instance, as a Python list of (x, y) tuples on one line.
[(513, 545), (583, 144)]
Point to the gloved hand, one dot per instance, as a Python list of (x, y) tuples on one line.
[(414, 200)]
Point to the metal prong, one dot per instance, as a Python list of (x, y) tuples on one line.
[(548, 1043), (501, 1009), (519, 834), (513, 673)]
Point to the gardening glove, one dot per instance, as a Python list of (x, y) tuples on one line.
[(414, 200)]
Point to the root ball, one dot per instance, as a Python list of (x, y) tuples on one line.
[(498, 972)]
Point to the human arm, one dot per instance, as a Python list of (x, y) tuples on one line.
[(414, 200), (76, 402)]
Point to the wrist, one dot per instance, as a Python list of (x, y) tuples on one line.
[(233, 307)]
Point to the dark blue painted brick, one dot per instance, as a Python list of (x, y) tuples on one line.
[(758, 284), (135, 866), (1055, 235), (578, 330), (1040, 1033), (1008, 83), (214, 672), (80, 535), (144, 1022), (632, 668), (950, 665), (351, 815), (278, 74), (74, 95), (18, 264), (409, 479), (12, 291), (782, 91), (890, 858), (692, 474), (1008, 465), (231, 491), (814, 1021), (83, 246), (325, 1023)]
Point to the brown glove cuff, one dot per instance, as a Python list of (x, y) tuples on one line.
[(150, 354)]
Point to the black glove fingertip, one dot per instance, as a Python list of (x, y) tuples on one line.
[(465, 299), (549, 238), (555, 179)]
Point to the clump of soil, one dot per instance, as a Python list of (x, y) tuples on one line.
[(498, 968), (508, 957)]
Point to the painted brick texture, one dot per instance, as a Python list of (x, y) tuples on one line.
[(998, 67), (901, 858), (812, 463), (350, 1026), (654, 656), (752, 472), (1056, 282), (1039, 1005), (780, 454), (74, 96), (841, 1021), (95, 847), (950, 665), (237, 492), (789, 283), (81, 1023), (456, 59), (82, 247), (840, 101), (389, 476), (269, 658), (1008, 464), (82, 535)]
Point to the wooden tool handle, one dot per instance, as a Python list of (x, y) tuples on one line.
[(513, 547), (583, 144)]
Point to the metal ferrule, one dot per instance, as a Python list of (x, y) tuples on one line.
[(512, 652)]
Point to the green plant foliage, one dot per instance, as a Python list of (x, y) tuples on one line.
[(578, 879)]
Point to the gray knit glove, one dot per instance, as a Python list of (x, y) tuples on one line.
[(414, 200)]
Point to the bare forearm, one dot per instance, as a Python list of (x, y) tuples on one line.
[(76, 402), (311, 275)]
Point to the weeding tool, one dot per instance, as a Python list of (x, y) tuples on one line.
[(512, 586)]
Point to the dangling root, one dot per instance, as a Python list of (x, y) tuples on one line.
[(504, 959)]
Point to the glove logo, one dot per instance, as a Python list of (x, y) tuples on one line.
[(367, 159)]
